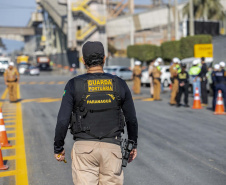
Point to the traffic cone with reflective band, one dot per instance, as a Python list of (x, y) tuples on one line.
[(197, 102), (2, 166), (219, 109), (3, 136)]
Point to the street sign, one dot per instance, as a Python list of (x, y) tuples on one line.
[(203, 50)]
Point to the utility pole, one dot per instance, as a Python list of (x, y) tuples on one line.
[(131, 6), (191, 20), (176, 21), (169, 20), (70, 29), (131, 40)]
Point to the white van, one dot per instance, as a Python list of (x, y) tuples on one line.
[(189, 61), (165, 77), (4, 64)]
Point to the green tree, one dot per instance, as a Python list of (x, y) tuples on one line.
[(145, 52), (206, 10), (171, 49)]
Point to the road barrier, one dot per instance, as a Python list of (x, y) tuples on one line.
[(219, 110), (3, 136), (2, 166), (197, 102)]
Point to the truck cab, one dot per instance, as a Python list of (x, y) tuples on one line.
[(4, 64)]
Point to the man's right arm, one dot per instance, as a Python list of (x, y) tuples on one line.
[(64, 117)]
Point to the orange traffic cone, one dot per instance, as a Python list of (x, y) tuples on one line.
[(219, 110), (197, 102), (2, 166), (3, 136)]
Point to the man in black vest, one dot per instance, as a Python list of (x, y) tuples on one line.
[(99, 101), (203, 78), (183, 78)]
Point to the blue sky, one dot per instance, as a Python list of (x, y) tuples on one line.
[(18, 12), (15, 13)]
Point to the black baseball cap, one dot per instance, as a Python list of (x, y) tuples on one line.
[(92, 48)]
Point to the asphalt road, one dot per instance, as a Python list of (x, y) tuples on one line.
[(176, 146)]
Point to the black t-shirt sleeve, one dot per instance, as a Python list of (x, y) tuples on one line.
[(187, 77), (64, 117), (203, 71), (178, 78), (130, 114)]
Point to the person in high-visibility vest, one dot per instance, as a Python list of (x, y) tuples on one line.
[(194, 72), (203, 82)]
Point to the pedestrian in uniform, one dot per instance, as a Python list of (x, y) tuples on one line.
[(183, 78), (209, 79), (150, 68), (203, 78), (11, 78), (219, 80), (194, 72), (215, 68), (160, 62), (156, 73), (137, 77), (99, 101), (174, 80)]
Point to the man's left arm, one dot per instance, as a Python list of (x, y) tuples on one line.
[(63, 119), (5, 77)]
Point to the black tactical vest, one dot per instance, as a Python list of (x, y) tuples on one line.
[(97, 112)]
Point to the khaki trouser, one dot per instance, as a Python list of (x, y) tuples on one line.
[(96, 163), (157, 89), (12, 87), (174, 91), (136, 85), (151, 86)]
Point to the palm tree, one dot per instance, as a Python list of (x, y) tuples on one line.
[(206, 10)]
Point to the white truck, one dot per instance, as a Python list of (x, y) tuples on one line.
[(4, 64)]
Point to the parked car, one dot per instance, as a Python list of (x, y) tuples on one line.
[(32, 70), (165, 77), (4, 64), (123, 72), (22, 67)]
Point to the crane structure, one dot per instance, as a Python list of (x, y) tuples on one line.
[(117, 8)]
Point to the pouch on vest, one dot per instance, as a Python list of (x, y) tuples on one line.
[(99, 112)]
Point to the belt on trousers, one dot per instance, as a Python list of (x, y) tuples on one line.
[(158, 79), (12, 81)]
